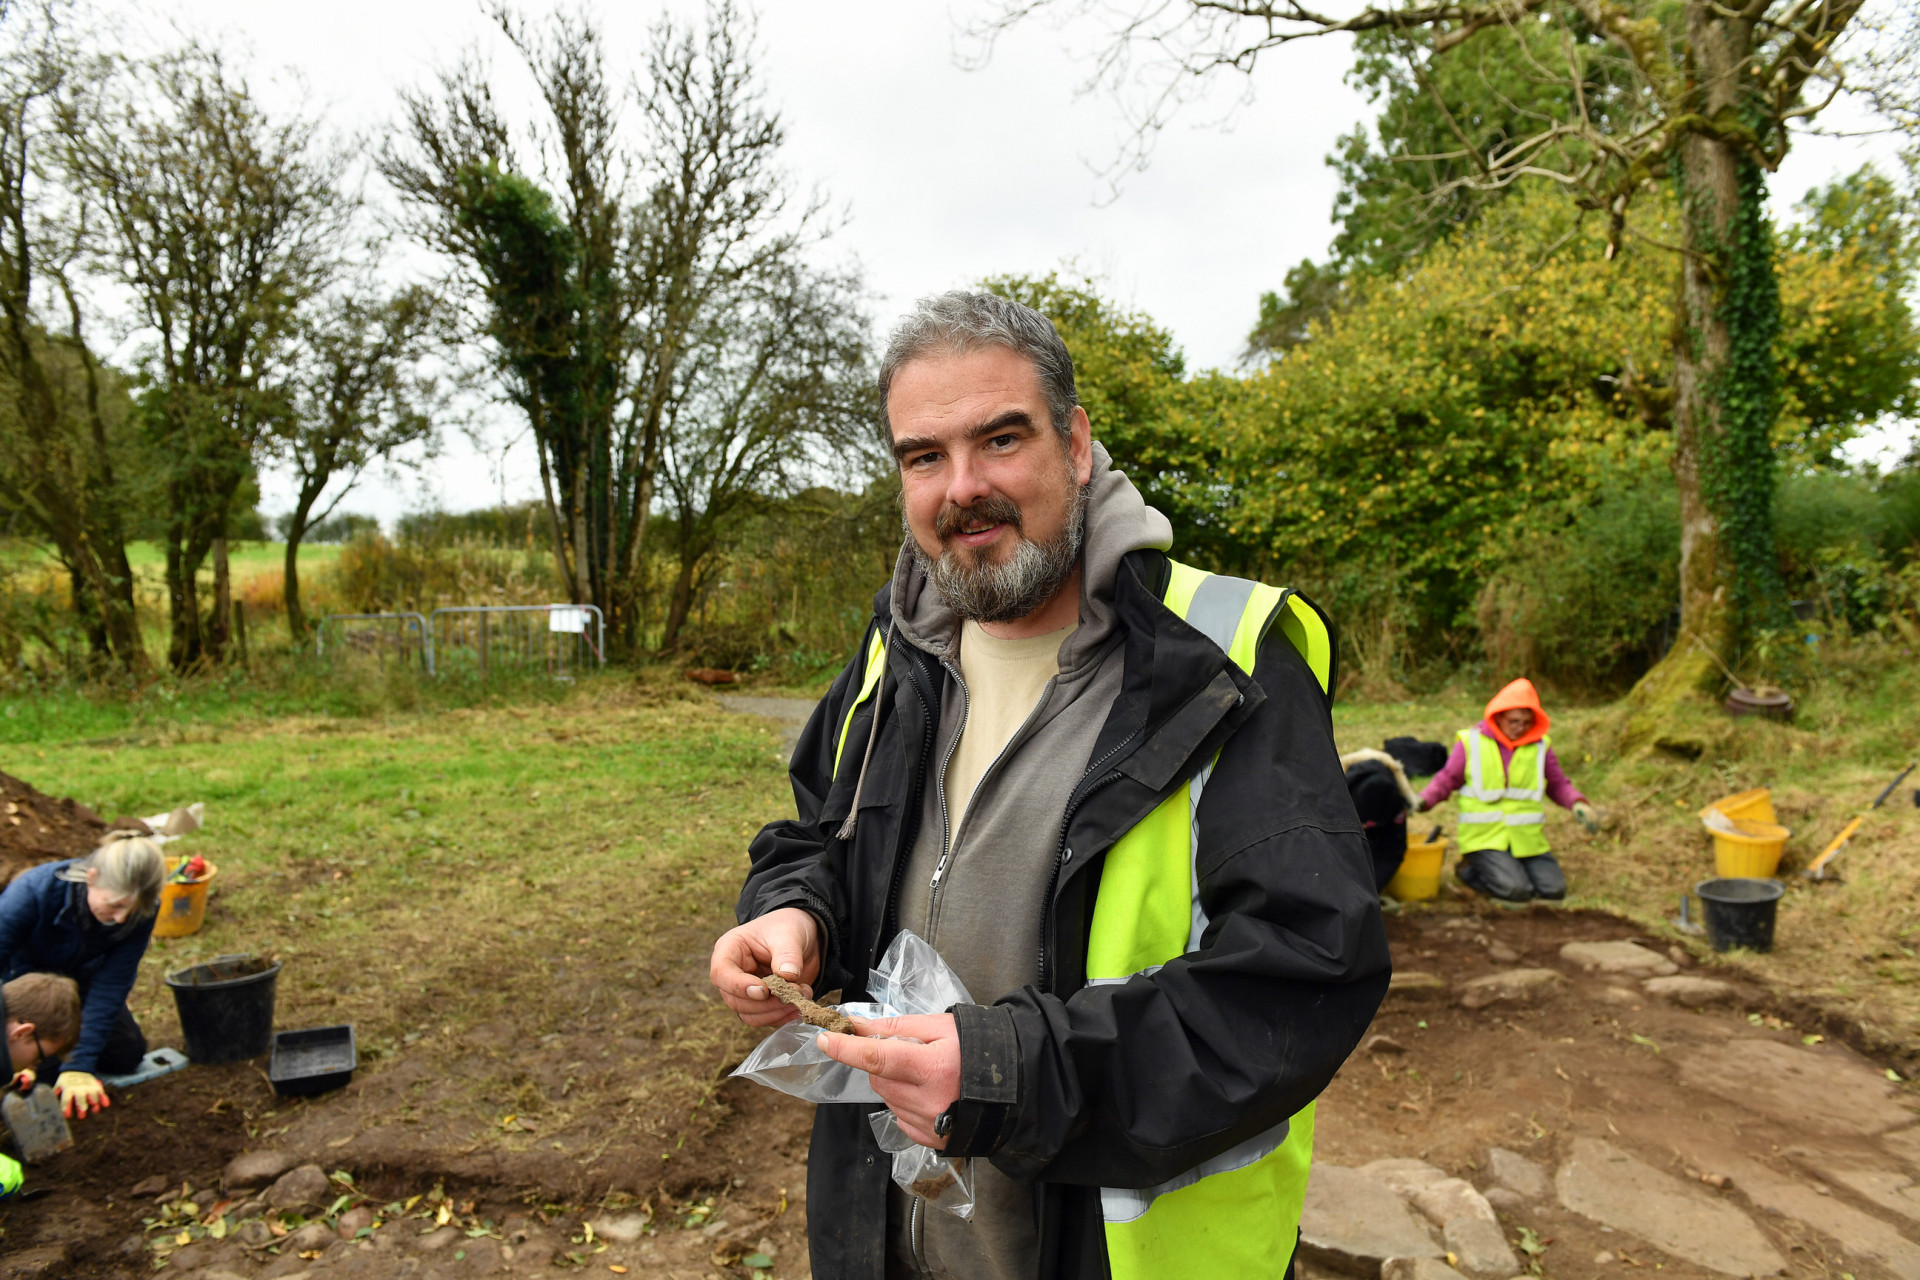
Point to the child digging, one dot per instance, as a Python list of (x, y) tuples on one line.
[(41, 1014), (1504, 769)]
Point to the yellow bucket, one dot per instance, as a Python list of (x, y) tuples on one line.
[(1748, 806), (1751, 850), (1419, 875), (183, 907)]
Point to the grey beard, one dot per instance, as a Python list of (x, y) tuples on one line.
[(988, 592)]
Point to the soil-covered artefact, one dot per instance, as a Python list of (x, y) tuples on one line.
[(930, 1187), (823, 1016)]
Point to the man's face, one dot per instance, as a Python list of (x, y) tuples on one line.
[(986, 482)]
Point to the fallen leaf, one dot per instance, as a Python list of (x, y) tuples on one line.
[(757, 1260), (309, 1254), (276, 1226), (341, 1142), (182, 1238), (445, 1213), (1893, 1075), (1639, 1039), (616, 1268), (1812, 1039)]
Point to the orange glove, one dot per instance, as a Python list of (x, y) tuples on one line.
[(23, 1081), (80, 1094)]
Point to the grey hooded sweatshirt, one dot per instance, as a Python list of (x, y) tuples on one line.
[(984, 912)]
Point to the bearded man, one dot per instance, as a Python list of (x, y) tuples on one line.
[(1103, 785)]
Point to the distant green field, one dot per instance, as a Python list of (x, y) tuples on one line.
[(246, 559)]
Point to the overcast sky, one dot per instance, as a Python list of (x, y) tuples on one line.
[(946, 175)]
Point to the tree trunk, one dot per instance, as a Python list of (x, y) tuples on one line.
[(679, 607), (1707, 171), (296, 534), (220, 617), (290, 588), (183, 603)]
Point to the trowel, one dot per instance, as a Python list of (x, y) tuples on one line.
[(39, 1130)]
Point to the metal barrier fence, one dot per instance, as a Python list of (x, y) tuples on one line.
[(561, 638), (406, 637)]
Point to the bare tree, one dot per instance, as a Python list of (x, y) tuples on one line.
[(596, 263), (779, 384), (1708, 95), (359, 395), (220, 223), (57, 463)]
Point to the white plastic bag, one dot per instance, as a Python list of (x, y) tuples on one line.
[(911, 979)]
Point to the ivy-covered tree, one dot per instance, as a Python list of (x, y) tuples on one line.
[(1708, 93)]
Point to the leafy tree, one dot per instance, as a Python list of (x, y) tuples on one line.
[(1707, 94), (62, 448), (782, 389), (1131, 378), (597, 265), (220, 223), (358, 396)]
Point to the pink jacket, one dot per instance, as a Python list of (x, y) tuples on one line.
[(1450, 779)]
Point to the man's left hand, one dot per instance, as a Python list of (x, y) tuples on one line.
[(916, 1081)]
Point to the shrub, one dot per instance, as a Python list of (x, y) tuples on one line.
[(1586, 605)]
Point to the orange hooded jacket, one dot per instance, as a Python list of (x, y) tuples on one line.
[(1520, 694)]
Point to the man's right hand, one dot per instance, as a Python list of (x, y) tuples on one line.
[(786, 942)]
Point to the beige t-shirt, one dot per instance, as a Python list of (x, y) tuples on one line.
[(1004, 681)]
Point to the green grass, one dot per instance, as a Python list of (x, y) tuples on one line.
[(457, 881)]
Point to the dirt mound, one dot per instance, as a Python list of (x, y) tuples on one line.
[(36, 828)]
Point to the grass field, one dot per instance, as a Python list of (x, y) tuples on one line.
[(511, 890)]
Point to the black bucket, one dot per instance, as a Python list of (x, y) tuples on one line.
[(1739, 911), (226, 1007)]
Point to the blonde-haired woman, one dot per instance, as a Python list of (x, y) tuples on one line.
[(91, 919)]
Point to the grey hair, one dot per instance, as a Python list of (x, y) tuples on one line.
[(963, 320), (130, 866)]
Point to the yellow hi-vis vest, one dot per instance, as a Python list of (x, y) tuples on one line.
[(1503, 806), (1238, 1213)]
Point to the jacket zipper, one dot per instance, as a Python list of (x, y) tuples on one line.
[(1080, 793), (946, 847), (940, 789)]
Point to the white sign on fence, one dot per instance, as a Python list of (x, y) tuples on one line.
[(567, 619)]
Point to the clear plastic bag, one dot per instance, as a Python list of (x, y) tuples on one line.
[(911, 979), (943, 1182)]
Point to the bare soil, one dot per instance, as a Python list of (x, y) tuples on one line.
[(699, 1195), (37, 828)]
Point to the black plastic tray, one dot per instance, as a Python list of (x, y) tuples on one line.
[(312, 1060)]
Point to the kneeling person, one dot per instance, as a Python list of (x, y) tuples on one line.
[(41, 1015), (1504, 769)]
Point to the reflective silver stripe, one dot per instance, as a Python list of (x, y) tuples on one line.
[(1215, 611), (1124, 1204), (1217, 605), (1522, 819), (1147, 972), (1194, 788), (1491, 815), (1476, 788)]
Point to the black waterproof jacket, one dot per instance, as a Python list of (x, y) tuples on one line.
[(1072, 1087)]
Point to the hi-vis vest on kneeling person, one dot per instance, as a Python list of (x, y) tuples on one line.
[(1503, 804), (1236, 1213)]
